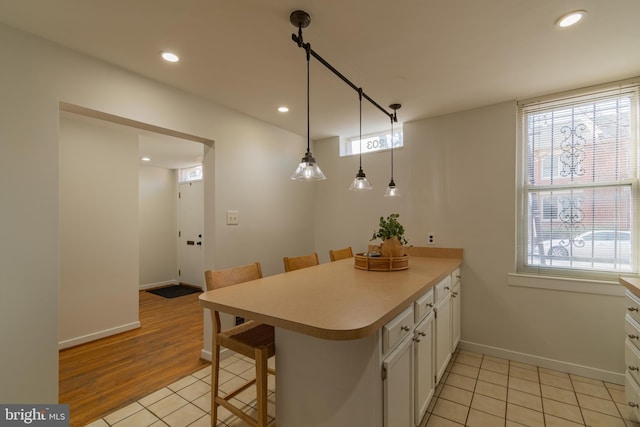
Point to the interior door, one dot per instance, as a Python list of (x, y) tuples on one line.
[(191, 233)]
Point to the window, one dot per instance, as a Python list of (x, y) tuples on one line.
[(374, 142), (578, 183), (191, 174)]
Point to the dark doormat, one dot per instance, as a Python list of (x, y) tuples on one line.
[(174, 291)]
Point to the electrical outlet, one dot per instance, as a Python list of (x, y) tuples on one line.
[(232, 217), (431, 239)]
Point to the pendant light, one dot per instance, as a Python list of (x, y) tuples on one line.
[(307, 170), (360, 182), (392, 190)]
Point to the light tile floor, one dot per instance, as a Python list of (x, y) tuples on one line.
[(476, 390), (187, 402)]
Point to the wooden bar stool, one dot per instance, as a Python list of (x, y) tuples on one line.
[(251, 339), (336, 254), (298, 262)]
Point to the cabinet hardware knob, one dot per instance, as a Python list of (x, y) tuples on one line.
[(458, 276), (416, 339), (430, 305), (447, 288), (405, 328), (632, 308), (633, 404), (455, 294), (633, 337), (633, 368), (422, 334)]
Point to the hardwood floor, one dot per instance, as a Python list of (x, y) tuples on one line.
[(98, 377)]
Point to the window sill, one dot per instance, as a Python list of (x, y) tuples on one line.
[(600, 287)]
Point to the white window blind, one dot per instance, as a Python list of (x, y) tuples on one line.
[(579, 170)]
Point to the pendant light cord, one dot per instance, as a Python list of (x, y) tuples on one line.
[(360, 97), (392, 148), (308, 49)]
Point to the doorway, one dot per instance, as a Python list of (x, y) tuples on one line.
[(108, 292)]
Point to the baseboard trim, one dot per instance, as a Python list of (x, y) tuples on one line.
[(208, 356), (557, 365), (158, 285), (97, 335)]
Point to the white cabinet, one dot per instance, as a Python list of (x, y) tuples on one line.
[(632, 353), (447, 320), (424, 380), (416, 347), (456, 299), (407, 368), (442, 311), (396, 373)]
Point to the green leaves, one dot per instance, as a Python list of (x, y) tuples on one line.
[(389, 228)]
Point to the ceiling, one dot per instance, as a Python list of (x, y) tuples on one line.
[(432, 56)]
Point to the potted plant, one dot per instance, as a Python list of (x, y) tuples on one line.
[(392, 234)]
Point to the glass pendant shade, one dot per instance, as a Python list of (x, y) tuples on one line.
[(308, 170), (392, 190), (360, 182)]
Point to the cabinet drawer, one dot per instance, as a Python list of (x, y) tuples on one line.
[(633, 305), (398, 328), (442, 288), (632, 360), (423, 306), (632, 330)]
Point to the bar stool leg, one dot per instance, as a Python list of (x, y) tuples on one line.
[(215, 375), (261, 385)]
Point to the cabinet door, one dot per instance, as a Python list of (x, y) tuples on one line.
[(398, 399), (456, 298), (423, 378), (632, 393), (443, 334)]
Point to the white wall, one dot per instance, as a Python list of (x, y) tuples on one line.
[(457, 174), (469, 200), (158, 189), (36, 75), (98, 232), (276, 215), (347, 218)]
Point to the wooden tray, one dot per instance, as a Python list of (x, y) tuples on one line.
[(364, 262)]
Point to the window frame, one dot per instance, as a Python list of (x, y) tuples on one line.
[(522, 226)]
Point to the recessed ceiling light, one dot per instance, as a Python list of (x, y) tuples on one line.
[(570, 18), (283, 109), (170, 57), (145, 159)]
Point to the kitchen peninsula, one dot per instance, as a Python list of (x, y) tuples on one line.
[(329, 323)]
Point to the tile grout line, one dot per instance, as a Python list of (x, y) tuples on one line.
[(575, 394), (460, 366)]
